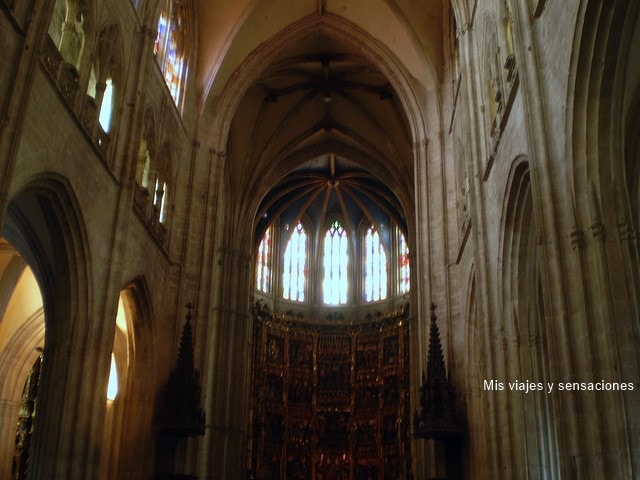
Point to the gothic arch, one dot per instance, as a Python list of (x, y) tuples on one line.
[(419, 113), (109, 62), (130, 415), (525, 328), (226, 105), (43, 222)]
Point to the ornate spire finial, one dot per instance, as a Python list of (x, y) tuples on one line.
[(437, 417), (181, 415)]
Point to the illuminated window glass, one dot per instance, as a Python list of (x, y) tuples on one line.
[(106, 107), (263, 263), (112, 389), (375, 267), (404, 279), (170, 48), (294, 275), (336, 260), (163, 204)]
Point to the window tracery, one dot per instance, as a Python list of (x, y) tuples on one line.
[(99, 113), (294, 275), (285, 263), (335, 284), (375, 266)]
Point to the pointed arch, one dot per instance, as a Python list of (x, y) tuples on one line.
[(337, 259), (525, 326), (399, 78), (44, 224), (296, 263), (129, 422), (375, 267), (107, 76)]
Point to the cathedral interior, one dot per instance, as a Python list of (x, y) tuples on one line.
[(319, 239)]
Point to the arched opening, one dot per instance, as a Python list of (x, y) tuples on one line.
[(21, 344), (330, 380), (41, 225), (127, 434), (533, 419), (318, 88)]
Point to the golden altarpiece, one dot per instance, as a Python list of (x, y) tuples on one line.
[(331, 400)]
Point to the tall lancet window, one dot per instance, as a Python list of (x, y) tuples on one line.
[(404, 279), (171, 46), (335, 284), (263, 263), (294, 275), (375, 266), (106, 107)]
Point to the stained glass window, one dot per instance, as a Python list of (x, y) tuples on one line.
[(263, 263), (170, 48), (294, 275), (335, 284), (404, 279), (375, 266)]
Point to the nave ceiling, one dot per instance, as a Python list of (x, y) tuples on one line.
[(316, 89)]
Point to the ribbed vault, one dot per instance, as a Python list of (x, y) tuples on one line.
[(319, 98), (321, 126), (328, 186)]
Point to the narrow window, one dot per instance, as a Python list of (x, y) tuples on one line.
[(336, 259), (106, 107), (404, 280), (375, 267), (294, 276), (163, 204), (112, 389), (170, 48), (263, 263)]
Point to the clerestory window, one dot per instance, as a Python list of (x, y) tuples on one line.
[(335, 284), (172, 46), (294, 275), (375, 266)]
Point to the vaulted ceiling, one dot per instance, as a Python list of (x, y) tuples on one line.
[(228, 30), (321, 94), (329, 186)]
